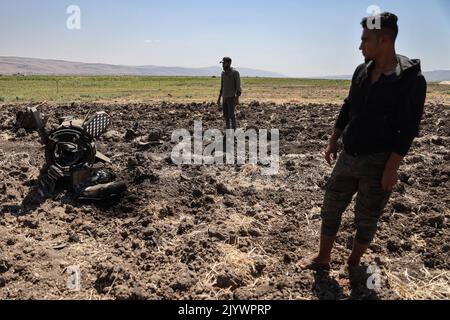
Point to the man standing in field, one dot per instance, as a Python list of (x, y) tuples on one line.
[(230, 90), (378, 121)]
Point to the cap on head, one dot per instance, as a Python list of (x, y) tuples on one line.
[(226, 59)]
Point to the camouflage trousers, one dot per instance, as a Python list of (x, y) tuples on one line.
[(360, 175)]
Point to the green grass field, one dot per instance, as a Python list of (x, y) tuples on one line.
[(89, 89), (60, 89)]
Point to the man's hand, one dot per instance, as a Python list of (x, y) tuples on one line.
[(390, 179), (332, 149), (390, 175), (331, 152), (219, 106), (237, 100)]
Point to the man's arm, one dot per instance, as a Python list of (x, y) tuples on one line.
[(344, 115), (238, 84), (390, 174), (341, 122), (333, 147), (221, 90), (237, 79), (339, 127), (410, 115)]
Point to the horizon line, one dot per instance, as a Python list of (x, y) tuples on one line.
[(280, 75)]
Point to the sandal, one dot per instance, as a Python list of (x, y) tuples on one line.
[(308, 264)]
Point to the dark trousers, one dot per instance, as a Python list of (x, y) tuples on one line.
[(359, 175), (228, 107)]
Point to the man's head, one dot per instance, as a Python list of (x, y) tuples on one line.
[(226, 63), (379, 35)]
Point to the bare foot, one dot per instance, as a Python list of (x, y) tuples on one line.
[(314, 263)]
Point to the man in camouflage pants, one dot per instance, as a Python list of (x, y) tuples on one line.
[(378, 122)]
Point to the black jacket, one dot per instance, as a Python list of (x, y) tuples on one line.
[(385, 116)]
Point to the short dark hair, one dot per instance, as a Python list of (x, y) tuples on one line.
[(388, 23)]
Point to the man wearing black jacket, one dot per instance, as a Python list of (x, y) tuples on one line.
[(378, 123)]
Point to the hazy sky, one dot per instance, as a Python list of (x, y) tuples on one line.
[(296, 38)]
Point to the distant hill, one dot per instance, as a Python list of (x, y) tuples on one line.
[(32, 66), (431, 76), (438, 75)]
